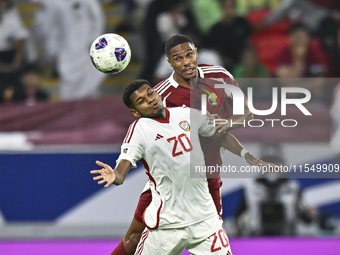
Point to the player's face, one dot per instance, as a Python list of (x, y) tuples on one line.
[(147, 103), (183, 59)]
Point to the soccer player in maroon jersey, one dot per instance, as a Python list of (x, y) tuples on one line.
[(183, 88)]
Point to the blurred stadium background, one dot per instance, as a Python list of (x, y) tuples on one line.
[(49, 202)]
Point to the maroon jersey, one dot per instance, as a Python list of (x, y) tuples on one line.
[(174, 95)]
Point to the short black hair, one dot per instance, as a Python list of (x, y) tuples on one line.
[(132, 87), (176, 40)]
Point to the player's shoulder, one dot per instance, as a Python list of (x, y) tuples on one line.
[(133, 129), (162, 85), (214, 71), (179, 110), (183, 110), (136, 123), (139, 125)]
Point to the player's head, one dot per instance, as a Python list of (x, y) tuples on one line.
[(142, 99), (182, 56)]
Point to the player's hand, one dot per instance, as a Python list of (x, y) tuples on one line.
[(106, 174), (219, 127), (251, 160)]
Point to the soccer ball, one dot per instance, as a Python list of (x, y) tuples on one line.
[(110, 53)]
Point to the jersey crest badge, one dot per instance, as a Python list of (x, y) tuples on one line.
[(184, 125)]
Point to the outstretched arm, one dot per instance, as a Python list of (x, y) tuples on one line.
[(112, 176), (239, 120), (231, 143), (234, 122)]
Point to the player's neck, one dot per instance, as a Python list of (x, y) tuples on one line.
[(187, 83), (162, 115)]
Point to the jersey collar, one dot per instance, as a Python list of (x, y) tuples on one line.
[(200, 72), (167, 117), (172, 80), (175, 83)]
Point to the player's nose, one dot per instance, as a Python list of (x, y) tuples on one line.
[(186, 61), (150, 100)]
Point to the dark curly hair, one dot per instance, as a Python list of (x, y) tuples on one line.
[(132, 87)]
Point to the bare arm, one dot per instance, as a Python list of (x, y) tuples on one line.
[(112, 176), (239, 120), (234, 122), (230, 142)]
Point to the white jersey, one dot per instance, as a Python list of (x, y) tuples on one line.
[(170, 149)]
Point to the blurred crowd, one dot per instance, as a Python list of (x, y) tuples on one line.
[(251, 39)]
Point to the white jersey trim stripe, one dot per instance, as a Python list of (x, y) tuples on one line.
[(141, 245), (129, 135), (164, 89), (211, 67), (214, 69), (128, 132), (218, 68), (220, 71), (160, 87), (164, 99)]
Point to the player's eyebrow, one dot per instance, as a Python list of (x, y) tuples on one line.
[(174, 55)]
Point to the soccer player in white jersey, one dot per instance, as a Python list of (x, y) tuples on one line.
[(181, 214), (177, 91)]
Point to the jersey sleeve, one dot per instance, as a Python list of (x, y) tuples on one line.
[(133, 146), (205, 126)]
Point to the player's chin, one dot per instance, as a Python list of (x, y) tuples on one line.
[(158, 110), (189, 76)]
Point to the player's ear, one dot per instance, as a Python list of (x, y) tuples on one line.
[(135, 113), (169, 61)]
